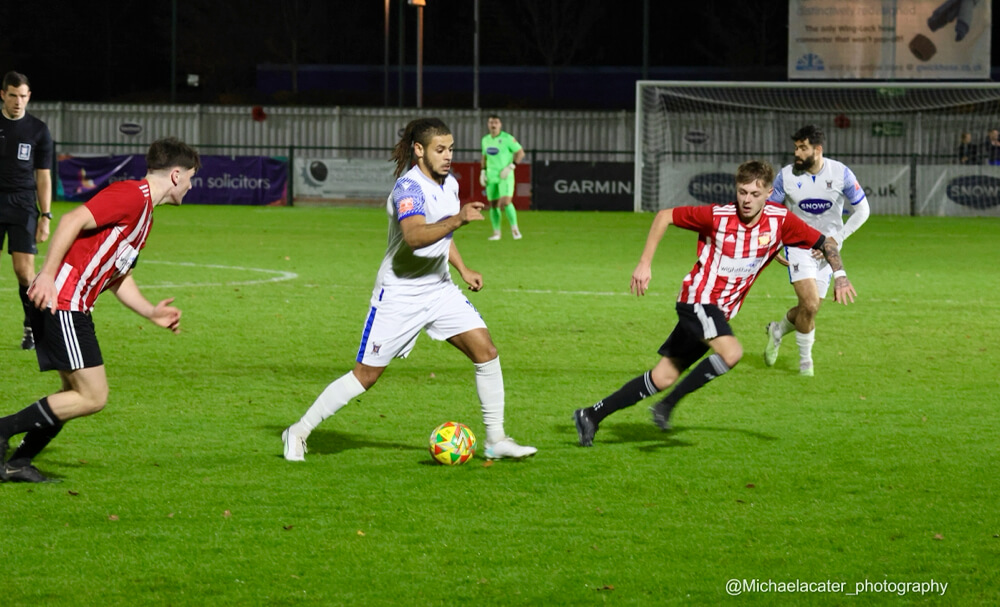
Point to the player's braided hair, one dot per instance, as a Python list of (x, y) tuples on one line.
[(753, 171), (421, 130)]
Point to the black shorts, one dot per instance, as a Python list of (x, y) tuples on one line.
[(18, 222), (65, 341), (696, 324)]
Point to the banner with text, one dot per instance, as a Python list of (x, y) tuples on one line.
[(889, 39), (887, 187), (956, 191), (244, 180), (340, 179), (583, 186)]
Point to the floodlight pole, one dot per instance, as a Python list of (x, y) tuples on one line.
[(475, 56), (420, 55), (385, 73)]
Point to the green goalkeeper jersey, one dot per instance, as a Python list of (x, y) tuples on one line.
[(499, 152)]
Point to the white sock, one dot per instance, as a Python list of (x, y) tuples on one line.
[(335, 396), (785, 327), (489, 385), (805, 342)]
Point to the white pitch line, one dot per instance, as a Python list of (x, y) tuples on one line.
[(279, 275)]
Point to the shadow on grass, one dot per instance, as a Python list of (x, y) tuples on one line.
[(329, 442), (648, 433)]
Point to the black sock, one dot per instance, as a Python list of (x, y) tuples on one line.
[(32, 444), (704, 372), (33, 417), (25, 303), (626, 396)]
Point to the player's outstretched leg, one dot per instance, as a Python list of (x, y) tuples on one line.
[(489, 387)]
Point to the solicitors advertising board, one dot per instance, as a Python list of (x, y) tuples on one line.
[(246, 180)]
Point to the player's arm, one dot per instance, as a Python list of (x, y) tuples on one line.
[(842, 288), (161, 314), (43, 292), (517, 158), (643, 272), (418, 233), (862, 210), (43, 183), (471, 277)]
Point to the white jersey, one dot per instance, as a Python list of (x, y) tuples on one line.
[(819, 199), (404, 268)]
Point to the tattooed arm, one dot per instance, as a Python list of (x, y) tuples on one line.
[(842, 288)]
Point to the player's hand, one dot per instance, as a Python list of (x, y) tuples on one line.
[(43, 293), (482, 178), (473, 279), (843, 290), (471, 211), (166, 316), (640, 279), (507, 170), (42, 231), (781, 259)]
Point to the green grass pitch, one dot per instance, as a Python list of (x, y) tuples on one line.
[(883, 467)]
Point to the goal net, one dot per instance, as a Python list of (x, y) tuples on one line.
[(902, 140)]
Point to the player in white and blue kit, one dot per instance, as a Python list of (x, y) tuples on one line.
[(818, 190), (414, 291)]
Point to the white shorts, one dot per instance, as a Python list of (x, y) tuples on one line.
[(802, 266), (395, 320)]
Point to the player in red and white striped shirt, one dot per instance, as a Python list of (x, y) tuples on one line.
[(94, 249), (736, 242)]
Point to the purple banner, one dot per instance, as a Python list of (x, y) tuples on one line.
[(248, 180)]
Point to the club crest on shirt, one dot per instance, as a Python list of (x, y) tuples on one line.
[(829, 184), (24, 151), (763, 240)]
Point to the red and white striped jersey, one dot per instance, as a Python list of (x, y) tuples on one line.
[(732, 255), (101, 256)]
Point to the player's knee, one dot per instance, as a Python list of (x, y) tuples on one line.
[(732, 357), (809, 307), (94, 402)]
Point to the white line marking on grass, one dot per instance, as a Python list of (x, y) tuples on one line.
[(277, 275)]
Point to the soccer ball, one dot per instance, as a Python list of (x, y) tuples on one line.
[(452, 443)]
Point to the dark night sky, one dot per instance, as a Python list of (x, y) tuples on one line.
[(120, 50)]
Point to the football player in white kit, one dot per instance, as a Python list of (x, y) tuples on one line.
[(816, 189), (414, 291)]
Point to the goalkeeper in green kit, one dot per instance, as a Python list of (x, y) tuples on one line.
[(501, 153)]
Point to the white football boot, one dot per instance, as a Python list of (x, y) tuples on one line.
[(507, 448), (295, 446)]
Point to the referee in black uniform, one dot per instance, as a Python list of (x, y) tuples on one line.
[(25, 169)]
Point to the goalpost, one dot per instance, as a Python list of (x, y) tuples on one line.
[(900, 139)]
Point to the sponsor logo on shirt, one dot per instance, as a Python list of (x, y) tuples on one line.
[(737, 267), (816, 206), (492, 150)]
